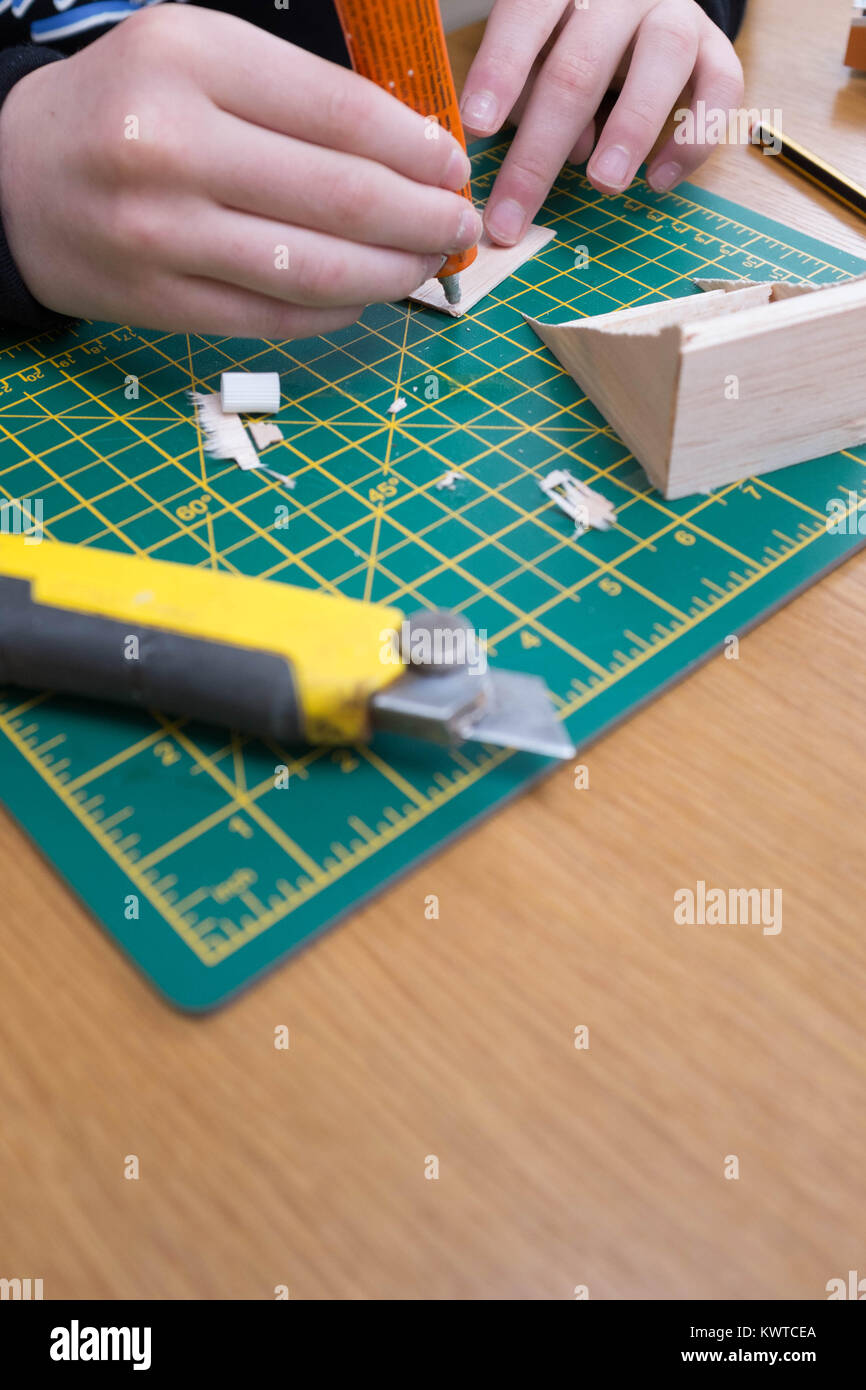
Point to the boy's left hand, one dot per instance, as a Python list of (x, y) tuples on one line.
[(550, 63)]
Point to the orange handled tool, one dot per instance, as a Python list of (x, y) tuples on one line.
[(400, 45)]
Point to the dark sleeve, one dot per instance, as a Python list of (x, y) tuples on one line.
[(728, 14), (17, 305)]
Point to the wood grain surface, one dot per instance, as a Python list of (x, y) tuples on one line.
[(410, 1038)]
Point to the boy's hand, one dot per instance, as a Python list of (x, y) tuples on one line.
[(264, 192), (551, 63)]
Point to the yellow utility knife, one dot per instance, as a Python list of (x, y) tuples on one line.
[(270, 659)]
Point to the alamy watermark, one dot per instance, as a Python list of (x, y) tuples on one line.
[(853, 1287), (23, 517), (20, 1289), (446, 645), (846, 518), (720, 907), (77, 1343), (714, 125)]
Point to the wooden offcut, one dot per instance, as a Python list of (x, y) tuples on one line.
[(586, 507), (739, 380), (491, 266)]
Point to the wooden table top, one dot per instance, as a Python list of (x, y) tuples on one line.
[(558, 1167)]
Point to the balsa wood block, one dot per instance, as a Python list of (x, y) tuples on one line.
[(491, 266), (739, 380)]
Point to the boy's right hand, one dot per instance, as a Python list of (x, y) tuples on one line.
[(265, 192)]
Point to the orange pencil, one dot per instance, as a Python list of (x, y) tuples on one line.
[(401, 47)]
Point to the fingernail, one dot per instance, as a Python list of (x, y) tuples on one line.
[(459, 170), (506, 222), (432, 266), (469, 230), (664, 177), (611, 166), (480, 110)]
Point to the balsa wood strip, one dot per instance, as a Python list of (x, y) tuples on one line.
[(492, 265)]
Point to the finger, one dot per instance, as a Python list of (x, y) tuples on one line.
[(271, 83), (664, 54), (515, 115), (564, 100), (583, 148), (188, 304), (294, 264), (515, 32), (333, 192), (718, 84)]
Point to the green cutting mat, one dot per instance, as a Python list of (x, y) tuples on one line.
[(230, 873)]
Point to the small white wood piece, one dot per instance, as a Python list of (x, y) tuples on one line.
[(713, 388), (396, 406), (448, 481), (250, 393), (280, 477), (223, 436), (491, 266), (586, 507), (265, 433)]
